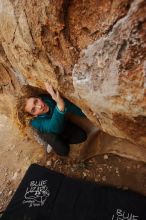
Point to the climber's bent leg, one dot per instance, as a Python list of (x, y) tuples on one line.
[(73, 134), (57, 142)]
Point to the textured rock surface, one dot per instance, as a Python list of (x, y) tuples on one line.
[(93, 51), (111, 71)]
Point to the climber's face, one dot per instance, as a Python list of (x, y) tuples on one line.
[(35, 106)]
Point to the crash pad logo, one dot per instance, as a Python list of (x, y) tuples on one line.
[(123, 215), (37, 193)]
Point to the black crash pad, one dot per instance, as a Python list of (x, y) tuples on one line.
[(47, 195)]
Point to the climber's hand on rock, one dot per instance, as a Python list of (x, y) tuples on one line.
[(51, 90), (55, 96)]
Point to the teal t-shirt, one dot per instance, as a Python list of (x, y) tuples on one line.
[(55, 120)]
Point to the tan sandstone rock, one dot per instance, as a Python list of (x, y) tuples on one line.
[(93, 51)]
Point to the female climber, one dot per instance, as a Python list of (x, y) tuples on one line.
[(57, 121)]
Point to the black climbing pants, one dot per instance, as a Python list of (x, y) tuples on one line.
[(72, 134)]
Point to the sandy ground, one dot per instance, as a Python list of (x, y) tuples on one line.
[(17, 153)]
